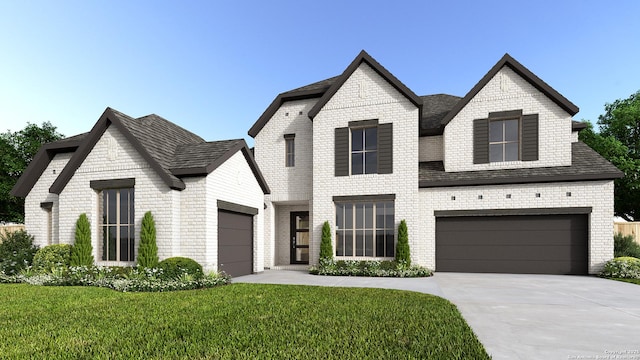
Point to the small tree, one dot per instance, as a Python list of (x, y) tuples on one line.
[(82, 252), (148, 250), (403, 254), (326, 249)]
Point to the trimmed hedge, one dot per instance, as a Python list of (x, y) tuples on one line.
[(175, 267), (52, 257), (148, 250), (82, 252), (373, 268)]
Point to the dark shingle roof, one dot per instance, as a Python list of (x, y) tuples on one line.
[(586, 164), (434, 109), (170, 150), (321, 85), (194, 156)]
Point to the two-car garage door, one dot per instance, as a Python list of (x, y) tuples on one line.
[(532, 244)]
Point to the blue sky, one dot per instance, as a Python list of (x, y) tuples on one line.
[(214, 66)]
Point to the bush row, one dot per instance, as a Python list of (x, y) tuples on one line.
[(373, 268), (118, 278)]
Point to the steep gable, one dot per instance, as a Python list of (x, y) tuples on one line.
[(152, 136), (523, 72), (365, 58)]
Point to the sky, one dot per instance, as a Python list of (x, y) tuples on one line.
[(213, 67)]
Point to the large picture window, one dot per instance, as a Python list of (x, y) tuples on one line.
[(365, 229), (118, 221), (364, 151)]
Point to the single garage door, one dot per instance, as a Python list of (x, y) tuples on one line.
[(529, 244), (235, 243)]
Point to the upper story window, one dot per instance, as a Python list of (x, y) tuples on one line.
[(504, 143), (506, 136), (365, 147), (364, 151), (290, 150)]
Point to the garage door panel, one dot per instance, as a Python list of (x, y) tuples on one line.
[(233, 236), (511, 266), (513, 252), (497, 237), (511, 223), (235, 243), (549, 244)]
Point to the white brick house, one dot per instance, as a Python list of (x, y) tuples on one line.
[(493, 182), (206, 197), (496, 181)]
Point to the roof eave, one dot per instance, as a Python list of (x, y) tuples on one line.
[(520, 180), (277, 102)]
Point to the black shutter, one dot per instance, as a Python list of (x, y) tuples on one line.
[(481, 141), (530, 137), (342, 154), (385, 148)]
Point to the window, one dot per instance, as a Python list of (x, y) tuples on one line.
[(365, 229), (505, 136), (290, 148), (364, 151), (504, 143), (118, 221)]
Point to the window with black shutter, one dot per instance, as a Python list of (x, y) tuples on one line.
[(505, 136), (365, 147)]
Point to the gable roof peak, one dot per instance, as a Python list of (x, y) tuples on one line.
[(363, 56), (522, 71)]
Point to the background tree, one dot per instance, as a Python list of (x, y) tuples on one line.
[(81, 253), (148, 251), (619, 142), (17, 149)]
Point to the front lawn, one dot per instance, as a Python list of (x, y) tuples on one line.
[(239, 321), (633, 281)]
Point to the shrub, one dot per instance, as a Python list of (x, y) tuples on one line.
[(403, 254), (622, 267), (16, 252), (148, 251), (51, 258), (173, 268), (82, 252), (370, 268), (625, 246), (326, 249)]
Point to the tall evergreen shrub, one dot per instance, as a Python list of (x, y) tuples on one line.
[(403, 254), (82, 252), (148, 250), (326, 249)]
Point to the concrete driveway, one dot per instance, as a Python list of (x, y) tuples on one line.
[(521, 316)]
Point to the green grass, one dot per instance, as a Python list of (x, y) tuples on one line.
[(633, 281), (239, 321)]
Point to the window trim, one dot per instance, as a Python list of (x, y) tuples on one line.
[(289, 150), (364, 150), (504, 142), (104, 256), (386, 229)]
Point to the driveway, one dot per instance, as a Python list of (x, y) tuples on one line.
[(521, 316)]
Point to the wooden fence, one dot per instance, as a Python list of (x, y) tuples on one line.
[(4, 229), (628, 228)]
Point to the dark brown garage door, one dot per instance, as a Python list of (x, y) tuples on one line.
[(533, 244), (235, 243)]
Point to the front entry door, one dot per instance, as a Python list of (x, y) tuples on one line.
[(300, 237)]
